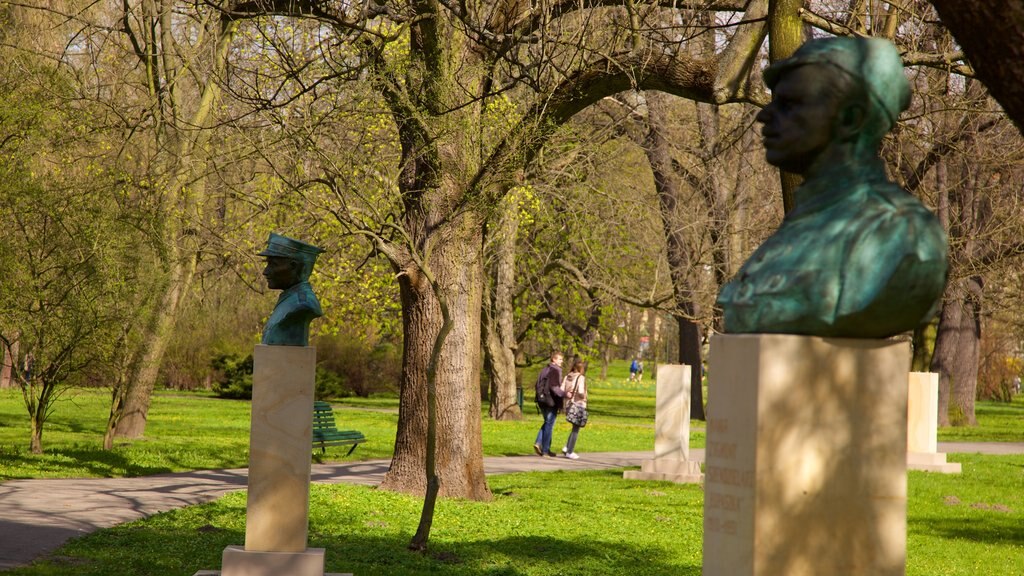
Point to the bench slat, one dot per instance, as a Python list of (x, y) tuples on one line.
[(326, 433)]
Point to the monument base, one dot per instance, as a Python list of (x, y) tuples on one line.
[(237, 561), (806, 457), (678, 471), (932, 462)]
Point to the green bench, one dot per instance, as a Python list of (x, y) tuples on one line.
[(326, 433)]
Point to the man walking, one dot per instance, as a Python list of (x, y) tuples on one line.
[(549, 401)]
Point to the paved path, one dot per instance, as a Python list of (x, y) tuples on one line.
[(38, 516)]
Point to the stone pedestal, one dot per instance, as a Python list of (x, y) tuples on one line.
[(280, 446), (805, 467), (922, 426), (671, 430)]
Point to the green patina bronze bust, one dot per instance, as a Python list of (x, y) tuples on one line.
[(289, 264), (858, 256)]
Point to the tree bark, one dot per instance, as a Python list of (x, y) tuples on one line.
[(499, 326), (957, 349), (142, 378), (785, 35), (456, 261), (993, 39), (10, 356), (680, 253)]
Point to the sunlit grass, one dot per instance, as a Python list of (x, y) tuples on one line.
[(560, 523)]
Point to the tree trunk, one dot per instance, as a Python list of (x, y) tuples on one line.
[(456, 263), (785, 35), (680, 253), (957, 349), (36, 427), (993, 39), (946, 341), (965, 369), (142, 378), (10, 356), (499, 328), (690, 354)]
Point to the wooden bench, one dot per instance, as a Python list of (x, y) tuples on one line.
[(326, 433)]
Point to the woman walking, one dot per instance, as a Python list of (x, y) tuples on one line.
[(575, 387)]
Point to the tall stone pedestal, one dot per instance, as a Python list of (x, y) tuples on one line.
[(923, 426), (280, 460), (671, 430), (805, 467)]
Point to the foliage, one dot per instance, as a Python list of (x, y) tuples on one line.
[(70, 255), (234, 379)]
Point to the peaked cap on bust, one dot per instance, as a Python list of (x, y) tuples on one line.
[(874, 61), (284, 247)]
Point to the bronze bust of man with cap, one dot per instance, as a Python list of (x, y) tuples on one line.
[(858, 256), (289, 264)]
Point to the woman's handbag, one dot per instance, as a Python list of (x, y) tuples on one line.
[(576, 413)]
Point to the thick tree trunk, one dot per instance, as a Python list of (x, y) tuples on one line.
[(10, 356), (456, 263), (992, 36), (957, 349), (680, 254), (499, 328), (946, 341)]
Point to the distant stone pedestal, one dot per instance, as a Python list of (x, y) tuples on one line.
[(280, 445), (671, 430), (805, 466), (922, 426)]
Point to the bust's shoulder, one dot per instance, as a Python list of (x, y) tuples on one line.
[(300, 298)]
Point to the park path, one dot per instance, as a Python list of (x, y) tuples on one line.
[(38, 516)]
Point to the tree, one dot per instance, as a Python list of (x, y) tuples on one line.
[(994, 42), (434, 66), (68, 267)]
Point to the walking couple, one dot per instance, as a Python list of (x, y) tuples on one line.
[(555, 392)]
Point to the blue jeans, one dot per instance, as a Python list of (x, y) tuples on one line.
[(546, 429)]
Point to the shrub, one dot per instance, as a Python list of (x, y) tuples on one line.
[(233, 376)]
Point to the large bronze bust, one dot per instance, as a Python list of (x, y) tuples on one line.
[(289, 264), (858, 256)]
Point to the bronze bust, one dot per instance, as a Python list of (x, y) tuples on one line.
[(289, 264), (858, 256)]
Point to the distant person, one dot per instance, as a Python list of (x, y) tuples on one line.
[(549, 402), (634, 369), (575, 387), (639, 370)]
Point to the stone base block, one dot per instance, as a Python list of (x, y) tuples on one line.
[(237, 561), (806, 457), (667, 469), (932, 462)]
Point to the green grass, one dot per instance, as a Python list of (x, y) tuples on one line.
[(195, 431), (561, 523)]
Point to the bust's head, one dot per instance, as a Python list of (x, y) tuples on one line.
[(289, 261), (832, 94)]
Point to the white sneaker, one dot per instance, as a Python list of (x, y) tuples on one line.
[(572, 456), (565, 450)]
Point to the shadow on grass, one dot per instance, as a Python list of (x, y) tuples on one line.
[(997, 528), (134, 550), (87, 461)]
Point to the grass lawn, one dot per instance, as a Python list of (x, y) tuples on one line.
[(559, 523)]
